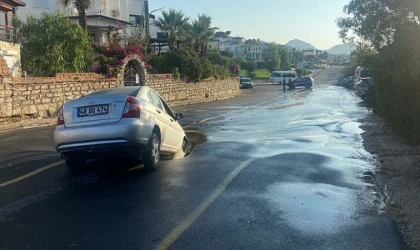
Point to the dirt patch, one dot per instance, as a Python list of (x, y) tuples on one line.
[(397, 175)]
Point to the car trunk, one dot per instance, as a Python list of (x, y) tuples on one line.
[(92, 110)]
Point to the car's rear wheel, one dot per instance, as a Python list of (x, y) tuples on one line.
[(151, 158), (76, 163), (308, 86)]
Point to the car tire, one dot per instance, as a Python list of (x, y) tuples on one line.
[(182, 152), (308, 86), (151, 158), (76, 163)]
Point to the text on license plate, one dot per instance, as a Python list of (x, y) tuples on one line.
[(93, 110)]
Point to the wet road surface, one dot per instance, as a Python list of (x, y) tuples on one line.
[(278, 171)]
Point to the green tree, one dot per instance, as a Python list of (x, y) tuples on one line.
[(202, 32), (392, 28), (324, 55), (285, 57), (249, 66), (52, 44), (173, 22), (81, 7), (271, 57)]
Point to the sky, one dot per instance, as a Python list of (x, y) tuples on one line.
[(280, 21)]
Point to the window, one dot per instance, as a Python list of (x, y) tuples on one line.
[(154, 98), (42, 4), (167, 108), (137, 20)]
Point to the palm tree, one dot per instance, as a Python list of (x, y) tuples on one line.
[(202, 32), (173, 22), (81, 7)]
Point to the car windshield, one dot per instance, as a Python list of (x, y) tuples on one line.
[(365, 73), (129, 91), (246, 80)]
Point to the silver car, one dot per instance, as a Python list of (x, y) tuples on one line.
[(246, 83), (132, 122)]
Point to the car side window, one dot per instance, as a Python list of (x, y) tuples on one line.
[(167, 108), (154, 98)]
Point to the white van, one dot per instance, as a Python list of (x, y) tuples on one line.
[(280, 76), (361, 73)]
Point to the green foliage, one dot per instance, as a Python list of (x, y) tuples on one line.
[(238, 60), (216, 58), (226, 53), (173, 22), (252, 75), (392, 29), (220, 72), (175, 73), (207, 66), (185, 60), (271, 57), (301, 72), (249, 65), (285, 58), (52, 44), (202, 32)]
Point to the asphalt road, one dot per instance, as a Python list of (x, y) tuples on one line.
[(278, 171)]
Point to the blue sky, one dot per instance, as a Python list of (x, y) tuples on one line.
[(278, 21)]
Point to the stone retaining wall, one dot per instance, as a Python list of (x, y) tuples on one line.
[(34, 97)]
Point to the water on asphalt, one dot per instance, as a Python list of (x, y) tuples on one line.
[(276, 171)]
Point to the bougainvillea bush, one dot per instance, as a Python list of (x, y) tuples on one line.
[(111, 57)]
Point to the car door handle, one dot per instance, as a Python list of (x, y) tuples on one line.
[(157, 110), (172, 120)]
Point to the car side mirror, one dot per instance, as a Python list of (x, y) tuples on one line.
[(179, 116)]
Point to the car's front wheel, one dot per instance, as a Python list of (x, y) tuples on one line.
[(151, 158)]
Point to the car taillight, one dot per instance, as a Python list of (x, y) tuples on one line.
[(132, 108), (60, 117)]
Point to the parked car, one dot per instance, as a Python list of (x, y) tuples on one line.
[(132, 122), (246, 83), (363, 85), (307, 82), (348, 82)]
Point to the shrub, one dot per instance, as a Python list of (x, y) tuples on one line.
[(249, 66), (52, 43), (175, 73), (252, 75), (207, 67)]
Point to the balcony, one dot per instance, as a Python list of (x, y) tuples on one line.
[(8, 34)]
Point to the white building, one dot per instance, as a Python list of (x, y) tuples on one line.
[(101, 14)]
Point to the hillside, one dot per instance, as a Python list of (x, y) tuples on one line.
[(299, 44), (341, 49)]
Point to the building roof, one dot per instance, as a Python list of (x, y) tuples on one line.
[(104, 17)]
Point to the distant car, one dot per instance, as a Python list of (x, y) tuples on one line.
[(363, 86), (348, 82), (246, 83), (307, 82), (132, 122)]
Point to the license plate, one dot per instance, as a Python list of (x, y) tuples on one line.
[(92, 110)]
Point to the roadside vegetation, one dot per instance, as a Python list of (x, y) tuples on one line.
[(52, 44), (389, 31)]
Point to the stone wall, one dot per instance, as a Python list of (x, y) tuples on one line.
[(34, 97), (175, 91), (42, 96)]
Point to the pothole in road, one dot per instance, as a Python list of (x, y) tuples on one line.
[(195, 137)]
